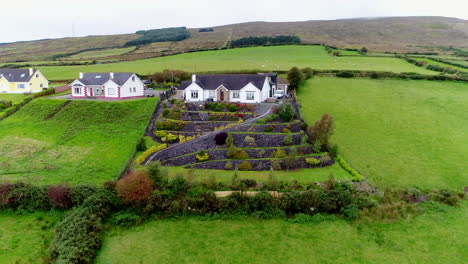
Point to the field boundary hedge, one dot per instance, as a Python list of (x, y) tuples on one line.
[(13, 109)]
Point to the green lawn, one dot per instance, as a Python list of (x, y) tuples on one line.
[(396, 132), (445, 65), (437, 236), (99, 53), (302, 175), (86, 142), (25, 238), (257, 58), (14, 98), (461, 62)]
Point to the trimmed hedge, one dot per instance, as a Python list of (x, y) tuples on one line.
[(355, 176)]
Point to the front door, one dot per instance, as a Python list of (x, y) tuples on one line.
[(221, 96)]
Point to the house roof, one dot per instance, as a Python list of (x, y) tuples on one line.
[(17, 75), (100, 78), (230, 81), (283, 81)]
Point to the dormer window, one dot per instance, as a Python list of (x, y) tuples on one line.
[(98, 76), (22, 75)]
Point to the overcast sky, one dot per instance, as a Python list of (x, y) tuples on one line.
[(38, 19)]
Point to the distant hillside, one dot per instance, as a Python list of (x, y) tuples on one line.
[(394, 34)]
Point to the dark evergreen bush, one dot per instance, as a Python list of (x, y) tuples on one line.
[(220, 138)]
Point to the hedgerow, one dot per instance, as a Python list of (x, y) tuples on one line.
[(355, 176)]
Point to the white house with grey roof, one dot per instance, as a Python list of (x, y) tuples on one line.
[(240, 88), (112, 85)]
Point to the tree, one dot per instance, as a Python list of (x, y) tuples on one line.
[(308, 72), (134, 188), (336, 53), (364, 50), (287, 112), (322, 130), (157, 173), (295, 77)]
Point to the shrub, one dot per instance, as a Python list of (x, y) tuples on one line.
[(202, 156), (178, 184), (60, 196), (245, 166), (134, 188), (228, 165), (148, 152), (286, 130), (157, 173), (288, 140), (249, 140), (334, 150), (24, 197), (229, 141), (232, 108), (269, 129), (261, 152), (237, 153), (169, 138), (308, 72), (316, 218), (287, 112), (275, 164), (141, 145), (279, 153), (272, 117), (220, 138), (345, 74), (355, 176), (166, 111), (249, 183), (312, 161), (263, 201), (322, 130), (125, 218), (160, 133), (261, 121)]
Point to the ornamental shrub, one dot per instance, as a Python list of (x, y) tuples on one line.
[(334, 150), (355, 176), (287, 112), (272, 117), (286, 130), (229, 141), (288, 140), (245, 166), (228, 165), (269, 129), (312, 161), (202, 156), (249, 140), (232, 108), (160, 133), (141, 145), (249, 183), (237, 153), (169, 138), (279, 153), (221, 138), (261, 121), (134, 188), (157, 173)]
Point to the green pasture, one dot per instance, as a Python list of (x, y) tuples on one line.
[(445, 65)]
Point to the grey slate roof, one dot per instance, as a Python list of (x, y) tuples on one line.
[(230, 81), (99, 78), (17, 75)]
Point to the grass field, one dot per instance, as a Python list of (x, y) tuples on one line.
[(258, 58), (396, 132), (462, 62), (433, 62), (302, 175), (25, 238), (14, 98), (85, 142), (99, 53), (437, 236)]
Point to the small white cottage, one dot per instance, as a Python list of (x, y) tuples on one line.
[(108, 85), (240, 88)]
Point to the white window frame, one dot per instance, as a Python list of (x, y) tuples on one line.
[(77, 90), (21, 86), (235, 94), (130, 90), (134, 89), (211, 93), (110, 91), (250, 98), (192, 93)]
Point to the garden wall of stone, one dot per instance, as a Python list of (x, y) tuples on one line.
[(264, 140)]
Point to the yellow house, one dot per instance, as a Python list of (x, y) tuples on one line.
[(22, 81)]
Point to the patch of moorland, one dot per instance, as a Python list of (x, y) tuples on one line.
[(396, 132), (84, 142)]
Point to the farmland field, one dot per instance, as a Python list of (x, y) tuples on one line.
[(396, 132), (462, 62), (258, 58), (433, 62), (85, 142), (25, 238), (439, 235)]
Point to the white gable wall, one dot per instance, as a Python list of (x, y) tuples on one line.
[(194, 87), (250, 88), (127, 89), (111, 89), (83, 87)]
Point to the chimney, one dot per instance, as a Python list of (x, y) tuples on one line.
[(194, 78), (31, 70), (81, 75), (111, 75)]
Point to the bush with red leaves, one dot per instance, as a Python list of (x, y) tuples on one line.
[(134, 188), (220, 138), (60, 196), (4, 197)]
